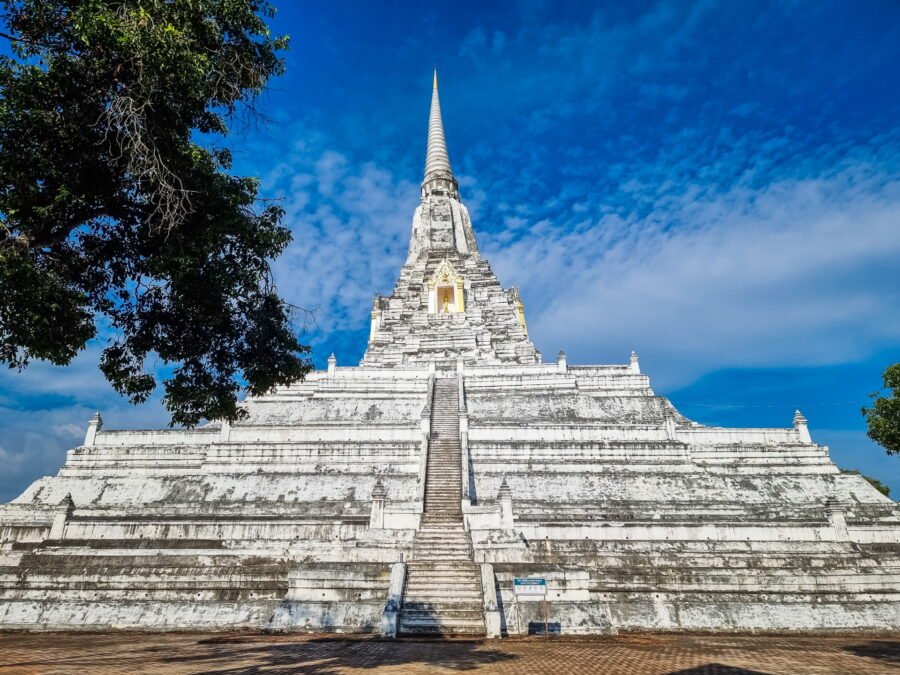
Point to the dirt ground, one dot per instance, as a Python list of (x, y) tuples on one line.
[(631, 654)]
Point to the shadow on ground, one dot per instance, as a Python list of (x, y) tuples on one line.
[(242, 656), (716, 669), (877, 649), (255, 654)]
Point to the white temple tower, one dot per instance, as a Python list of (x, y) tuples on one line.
[(447, 305), (407, 494)]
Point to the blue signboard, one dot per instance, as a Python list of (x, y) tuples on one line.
[(530, 586)]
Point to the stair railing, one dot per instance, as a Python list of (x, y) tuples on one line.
[(463, 436), (425, 428), (394, 602)]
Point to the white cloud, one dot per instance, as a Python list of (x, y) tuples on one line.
[(351, 222), (68, 431), (748, 262), (11, 461), (45, 411), (799, 272)]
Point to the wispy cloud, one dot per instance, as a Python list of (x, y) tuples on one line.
[(795, 271), (351, 221), (44, 411)]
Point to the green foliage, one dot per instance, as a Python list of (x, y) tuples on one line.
[(874, 482), (111, 212), (883, 417)]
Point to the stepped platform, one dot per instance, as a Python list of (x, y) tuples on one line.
[(651, 522), (407, 494)]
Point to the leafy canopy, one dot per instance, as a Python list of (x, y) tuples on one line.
[(113, 214), (883, 417)]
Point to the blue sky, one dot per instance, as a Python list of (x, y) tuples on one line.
[(716, 185)]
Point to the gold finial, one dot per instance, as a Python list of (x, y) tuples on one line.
[(435, 77)]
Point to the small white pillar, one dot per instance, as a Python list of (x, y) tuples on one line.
[(394, 601), (332, 365), (95, 425), (66, 508), (634, 364), (459, 297), (802, 427), (504, 497), (669, 420), (432, 298), (539, 356), (373, 325), (376, 517), (491, 607), (561, 361)]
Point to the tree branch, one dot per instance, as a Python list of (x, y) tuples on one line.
[(34, 43)]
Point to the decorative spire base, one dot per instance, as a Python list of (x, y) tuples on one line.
[(440, 184)]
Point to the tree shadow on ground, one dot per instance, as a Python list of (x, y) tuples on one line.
[(882, 650), (332, 656), (716, 669)]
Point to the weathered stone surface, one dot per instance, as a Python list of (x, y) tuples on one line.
[(386, 497)]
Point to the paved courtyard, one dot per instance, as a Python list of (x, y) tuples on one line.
[(644, 654)]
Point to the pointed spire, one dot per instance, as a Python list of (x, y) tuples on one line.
[(436, 159), (438, 174)]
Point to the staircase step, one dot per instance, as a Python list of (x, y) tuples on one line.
[(466, 625), (453, 608), (443, 577), (425, 557), (442, 614), (432, 580), (436, 628), (437, 544), (441, 598), (443, 594), (434, 547)]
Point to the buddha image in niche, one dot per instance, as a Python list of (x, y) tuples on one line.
[(445, 299)]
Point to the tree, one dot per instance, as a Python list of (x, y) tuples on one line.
[(883, 418), (116, 220)]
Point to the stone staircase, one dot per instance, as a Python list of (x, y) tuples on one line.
[(443, 593)]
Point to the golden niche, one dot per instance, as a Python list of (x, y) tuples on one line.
[(445, 291)]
